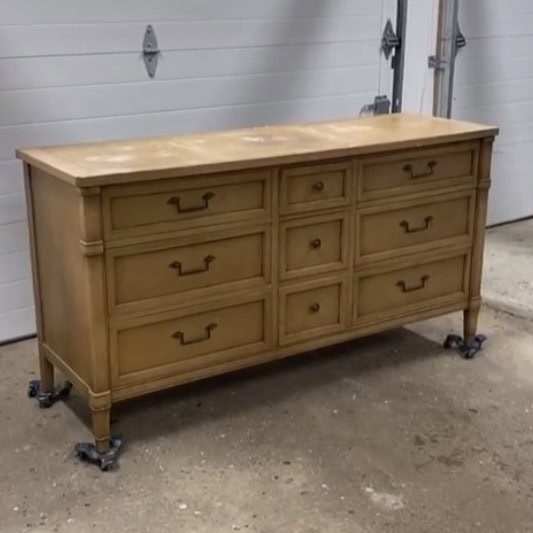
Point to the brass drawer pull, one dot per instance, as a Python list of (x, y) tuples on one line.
[(315, 308), (408, 229), (316, 244), (181, 336), (176, 200), (405, 288), (431, 166), (318, 186), (177, 265)]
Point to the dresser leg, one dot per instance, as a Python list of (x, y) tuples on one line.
[(44, 389), (470, 324), (104, 452), (471, 343)]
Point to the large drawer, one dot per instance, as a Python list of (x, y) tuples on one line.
[(313, 245), (312, 309), (171, 272), (314, 187), (190, 339), (417, 170), (167, 205), (404, 228), (425, 282)]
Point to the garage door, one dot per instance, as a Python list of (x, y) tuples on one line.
[(494, 84), (73, 72)]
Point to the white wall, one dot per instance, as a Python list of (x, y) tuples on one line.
[(72, 72), (494, 84)]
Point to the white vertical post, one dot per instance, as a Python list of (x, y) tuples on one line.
[(444, 63)]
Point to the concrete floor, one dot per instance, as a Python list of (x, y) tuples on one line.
[(389, 433)]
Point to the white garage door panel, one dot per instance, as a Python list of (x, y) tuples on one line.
[(40, 105), (17, 323), (38, 72), (494, 84), (21, 41), (61, 11), (10, 176), (15, 266), (12, 209), (15, 295), (73, 72), (168, 123), (13, 237)]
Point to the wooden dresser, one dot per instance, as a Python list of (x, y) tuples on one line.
[(162, 261)]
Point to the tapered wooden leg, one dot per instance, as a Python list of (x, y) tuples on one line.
[(44, 389), (471, 317), (47, 375), (101, 420), (104, 452)]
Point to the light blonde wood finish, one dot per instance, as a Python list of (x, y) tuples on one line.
[(313, 309), (419, 170), (313, 245), (315, 187), (178, 204), (408, 287), (133, 296), (176, 271), (393, 230)]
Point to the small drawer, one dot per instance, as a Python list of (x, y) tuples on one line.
[(174, 271), (315, 187), (426, 282), (190, 339), (168, 205), (313, 245), (312, 309), (384, 232), (413, 171)]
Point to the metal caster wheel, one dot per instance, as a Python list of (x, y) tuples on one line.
[(87, 452), (47, 399), (468, 350)]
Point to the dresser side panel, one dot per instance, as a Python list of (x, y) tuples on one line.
[(60, 269)]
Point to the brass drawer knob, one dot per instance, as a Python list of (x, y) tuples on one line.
[(177, 265), (318, 186), (176, 200), (316, 244), (315, 308), (180, 335), (416, 229), (413, 175), (422, 285)]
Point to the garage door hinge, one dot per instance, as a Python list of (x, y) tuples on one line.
[(151, 51), (439, 63), (390, 40)]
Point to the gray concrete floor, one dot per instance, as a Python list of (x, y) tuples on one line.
[(388, 433)]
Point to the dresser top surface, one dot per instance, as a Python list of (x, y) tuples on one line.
[(95, 164)]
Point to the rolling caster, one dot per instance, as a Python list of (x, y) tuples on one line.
[(468, 350), (87, 452), (47, 399)]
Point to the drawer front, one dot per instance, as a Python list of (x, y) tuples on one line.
[(413, 227), (315, 187), (312, 309), (174, 204), (313, 246), (409, 172), (170, 272), (190, 339), (403, 290)]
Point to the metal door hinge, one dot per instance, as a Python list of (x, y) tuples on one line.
[(151, 51), (390, 40), (439, 63), (380, 106)]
